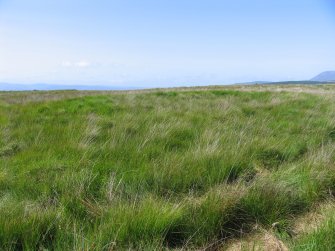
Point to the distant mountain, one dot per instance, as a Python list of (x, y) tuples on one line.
[(48, 87), (327, 76), (302, 82)]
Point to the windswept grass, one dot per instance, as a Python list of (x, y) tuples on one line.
[(161, 169)]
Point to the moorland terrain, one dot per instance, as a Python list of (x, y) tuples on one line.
[(216, 168)]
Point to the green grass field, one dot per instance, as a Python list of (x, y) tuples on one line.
[(201, 168)]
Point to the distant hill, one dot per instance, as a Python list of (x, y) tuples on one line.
[(302, 82), (305, 82), (327, 76), (48, 87)]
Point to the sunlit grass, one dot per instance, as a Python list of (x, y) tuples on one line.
[(159, 169)]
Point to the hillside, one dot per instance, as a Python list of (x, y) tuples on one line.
[(211, 168), (327, 76)]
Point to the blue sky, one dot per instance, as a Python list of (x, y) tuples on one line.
[(165, 42)]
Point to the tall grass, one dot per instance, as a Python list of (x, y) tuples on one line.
[(159, 170)]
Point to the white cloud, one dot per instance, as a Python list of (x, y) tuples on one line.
[(82, 64), (78, 64)]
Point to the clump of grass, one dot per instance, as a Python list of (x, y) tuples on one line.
[(9, 149), (270, 158), (208, 218), (178, 140), (32, 227), (166, 94), (136, 225), (268, 202), (332, 134)]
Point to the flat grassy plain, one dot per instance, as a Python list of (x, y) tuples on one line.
[(211, 168)]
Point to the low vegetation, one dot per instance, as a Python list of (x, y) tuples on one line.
[(165, 169)]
